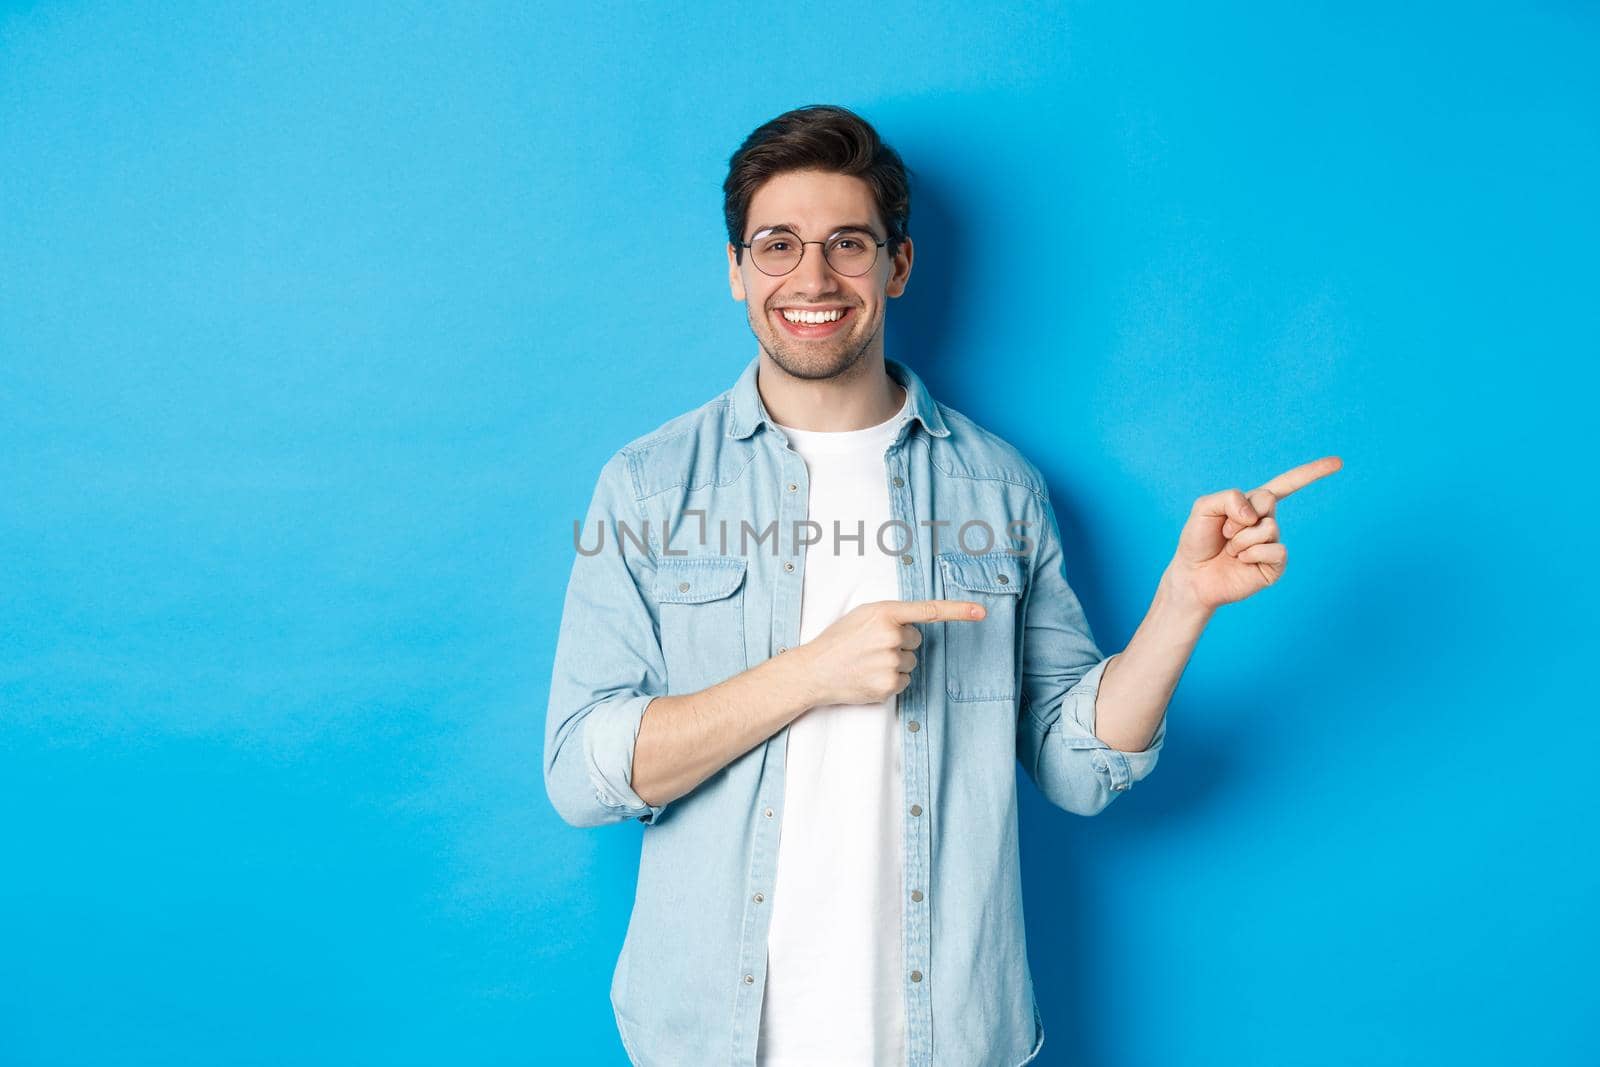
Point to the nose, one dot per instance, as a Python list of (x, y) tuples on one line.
[(813, 272)]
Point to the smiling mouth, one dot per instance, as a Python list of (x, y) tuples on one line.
[(813, 322)]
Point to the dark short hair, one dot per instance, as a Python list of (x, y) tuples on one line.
[(818, 137)]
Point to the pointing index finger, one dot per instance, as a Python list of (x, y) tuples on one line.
[(935, 611), (1302, 476)]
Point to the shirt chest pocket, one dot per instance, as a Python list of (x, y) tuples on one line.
[(701, 601), (981, 656)]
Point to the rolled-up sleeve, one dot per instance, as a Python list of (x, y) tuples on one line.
[(608, 663), (1061, 671)]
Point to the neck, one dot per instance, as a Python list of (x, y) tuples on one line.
[(862, 396)]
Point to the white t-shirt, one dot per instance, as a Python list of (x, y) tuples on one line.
[(835, 987)]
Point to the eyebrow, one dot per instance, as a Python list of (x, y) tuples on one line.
[(792, 228)]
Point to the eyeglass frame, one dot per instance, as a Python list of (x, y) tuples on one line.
[(750, 244)]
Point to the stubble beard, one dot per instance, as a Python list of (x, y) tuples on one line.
[(808, 359)]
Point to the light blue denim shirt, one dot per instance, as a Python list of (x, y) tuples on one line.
[(685, 598)]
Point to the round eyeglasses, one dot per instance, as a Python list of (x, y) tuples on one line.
[(777, 251)]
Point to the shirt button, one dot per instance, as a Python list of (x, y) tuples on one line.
[(769, 813), (916, 809), (788, 566), (758, 898), (898, 481), (916, 976), (749, 979), (905, 559), (793, 488), (916, 894), (1002, 579), (782, 649), (913, 726), (683, 587)]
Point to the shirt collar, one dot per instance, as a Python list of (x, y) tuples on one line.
[(746, 411)]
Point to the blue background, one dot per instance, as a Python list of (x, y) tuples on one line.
[(316, 328)]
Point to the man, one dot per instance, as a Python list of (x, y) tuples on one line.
[(825, 618)]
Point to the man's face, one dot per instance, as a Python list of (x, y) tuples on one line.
[(814, 204)]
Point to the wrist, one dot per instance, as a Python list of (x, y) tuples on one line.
[(800, 678), (1177, 600)]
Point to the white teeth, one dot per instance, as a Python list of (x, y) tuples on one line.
[(813, 316)]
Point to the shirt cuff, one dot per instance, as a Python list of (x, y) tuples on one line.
[(609, 733), (1120, 769)]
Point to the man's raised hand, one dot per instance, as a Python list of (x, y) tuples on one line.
[(1229, 548)]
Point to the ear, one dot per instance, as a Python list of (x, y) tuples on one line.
[(735, 279), (900, 269)]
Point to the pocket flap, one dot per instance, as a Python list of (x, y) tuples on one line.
[(696, 579), (991, 572)]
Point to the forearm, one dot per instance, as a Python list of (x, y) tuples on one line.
[(1138, 682), (685, 739)]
